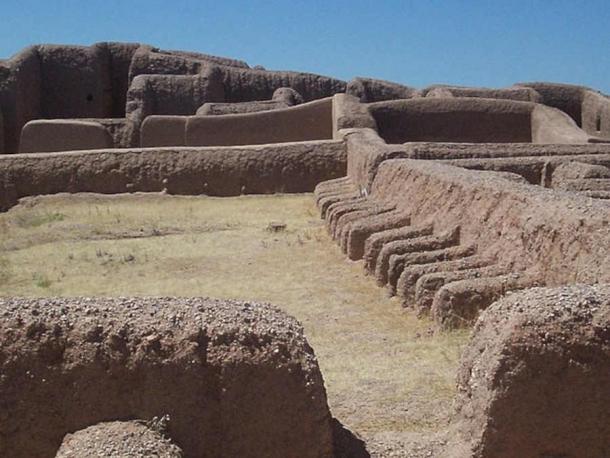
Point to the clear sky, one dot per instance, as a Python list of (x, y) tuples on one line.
[(464, 42)]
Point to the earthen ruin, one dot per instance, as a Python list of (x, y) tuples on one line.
[(453, 198)]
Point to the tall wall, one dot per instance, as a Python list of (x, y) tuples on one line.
[(75, 82), (1, 132), (57, 81), (20, 86), (120, 55), (240, 82), (596, 114)]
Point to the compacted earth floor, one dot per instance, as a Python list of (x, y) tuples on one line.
[(389, 378)]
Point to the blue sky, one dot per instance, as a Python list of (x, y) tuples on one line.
[(474, 43)]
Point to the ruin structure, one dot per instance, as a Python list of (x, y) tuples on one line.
[(451, 197)]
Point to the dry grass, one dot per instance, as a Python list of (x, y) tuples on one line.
[(383, 368)]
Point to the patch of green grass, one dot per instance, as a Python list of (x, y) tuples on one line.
[(41, 280), (5, 269), (37, 219)]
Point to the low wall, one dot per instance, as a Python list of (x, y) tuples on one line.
[(369, 90), (349, 113), (561, 235), (223, 108), (63, 135), (453, 120), (438, 151), (159, 130), (235, 378), (290, 167), (536, 170), (534, 379), (523, 94), (309, 121), (367, 150), (550, 125)]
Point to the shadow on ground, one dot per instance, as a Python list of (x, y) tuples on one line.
[(346, 443)]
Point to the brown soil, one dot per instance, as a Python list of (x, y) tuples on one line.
[(126, 439)]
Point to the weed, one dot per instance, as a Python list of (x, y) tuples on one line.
[(276, 227), (41, 280), (128, 258), (5, 271)]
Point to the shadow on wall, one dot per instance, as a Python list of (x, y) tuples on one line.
[(473, 120)]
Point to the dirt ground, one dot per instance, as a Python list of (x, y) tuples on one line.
[(389, 379)]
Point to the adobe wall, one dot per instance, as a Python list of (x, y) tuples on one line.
[(148, 60), (566, 97), (46, 135), (536, 170), (75, 82), (456, 151), (453, 120), (224, 108), (308, 121), (216, 171), (121, 55), (554, 233), (172, 94), (58, 81), (550, 125), (349, 113), (240, 82), (523, 94), (20, 83), (367, 150), (596, 114), (369, 90), (244, 85), (159, 130), (235, 378), (1, 132), (117, 128), (589, 109), (534, 379), (168, 95)]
